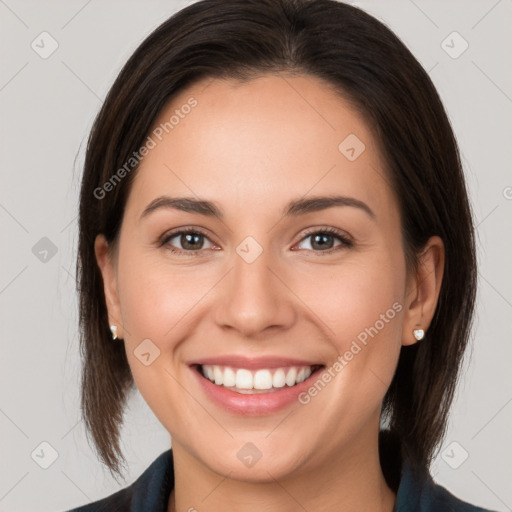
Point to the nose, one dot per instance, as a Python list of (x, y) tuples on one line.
[(254, 298)]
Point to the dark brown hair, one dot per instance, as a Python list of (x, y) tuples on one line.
[(365, 62)]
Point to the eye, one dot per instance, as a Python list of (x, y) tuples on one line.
[(322, 240), (190, 240)]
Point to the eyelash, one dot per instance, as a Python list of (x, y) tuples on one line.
[(345, 241)]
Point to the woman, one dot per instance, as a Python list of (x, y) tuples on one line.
[(276, 249)]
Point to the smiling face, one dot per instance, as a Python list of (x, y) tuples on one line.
[(267, 278)]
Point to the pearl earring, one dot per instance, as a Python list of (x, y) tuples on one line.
[(113, 328), (419, 334)]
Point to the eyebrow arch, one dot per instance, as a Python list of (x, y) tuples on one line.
[(317, 203), (185, 204), (292, 209)]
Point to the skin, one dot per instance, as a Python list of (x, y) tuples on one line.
[(251, 148)]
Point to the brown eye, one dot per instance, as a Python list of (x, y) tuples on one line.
[(188, 241), (323, 240)]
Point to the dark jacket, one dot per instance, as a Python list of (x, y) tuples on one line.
[(415, 493)]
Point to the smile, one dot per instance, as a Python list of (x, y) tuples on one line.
[(253, 386), (242, 380)]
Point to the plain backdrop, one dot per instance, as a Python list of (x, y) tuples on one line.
[(48, 103)]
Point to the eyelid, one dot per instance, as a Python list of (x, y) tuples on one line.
[(164, 239), (346, 240)]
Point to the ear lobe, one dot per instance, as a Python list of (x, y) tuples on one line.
[(109, 275), (423, 290)]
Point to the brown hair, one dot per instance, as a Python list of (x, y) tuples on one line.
[(363, 60)]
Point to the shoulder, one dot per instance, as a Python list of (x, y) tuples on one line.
[(119, 501), (441, 499), (150, 491), (419, 493), (415, 488)]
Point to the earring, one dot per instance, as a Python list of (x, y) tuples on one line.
[(113, 328), (419, 334)]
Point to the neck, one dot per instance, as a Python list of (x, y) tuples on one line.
[(348, 480)]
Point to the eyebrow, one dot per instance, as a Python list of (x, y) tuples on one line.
[(292, 209)]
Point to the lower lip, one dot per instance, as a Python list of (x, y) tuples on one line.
[(253, 404)]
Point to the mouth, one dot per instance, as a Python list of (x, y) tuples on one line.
[(256, 381)]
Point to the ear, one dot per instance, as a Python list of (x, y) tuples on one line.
[(423, 287), (107, 267)]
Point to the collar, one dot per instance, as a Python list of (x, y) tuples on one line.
[(415, 489)]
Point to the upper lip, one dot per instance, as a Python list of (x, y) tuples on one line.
[(237, 361)]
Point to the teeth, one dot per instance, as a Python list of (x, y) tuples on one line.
[(243, 379), (229, 378), (291, 376), (278, 380), (262, 379), (218, 375)]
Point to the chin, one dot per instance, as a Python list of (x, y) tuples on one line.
[(249, 463)]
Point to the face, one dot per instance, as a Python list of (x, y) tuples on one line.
[(245, 288)]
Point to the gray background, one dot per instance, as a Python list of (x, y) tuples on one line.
[(47, 108)]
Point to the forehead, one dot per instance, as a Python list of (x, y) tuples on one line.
[(259, 142)]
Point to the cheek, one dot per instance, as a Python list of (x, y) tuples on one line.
[(354, 296), (362, 304), (155, 295), (157, 301)]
